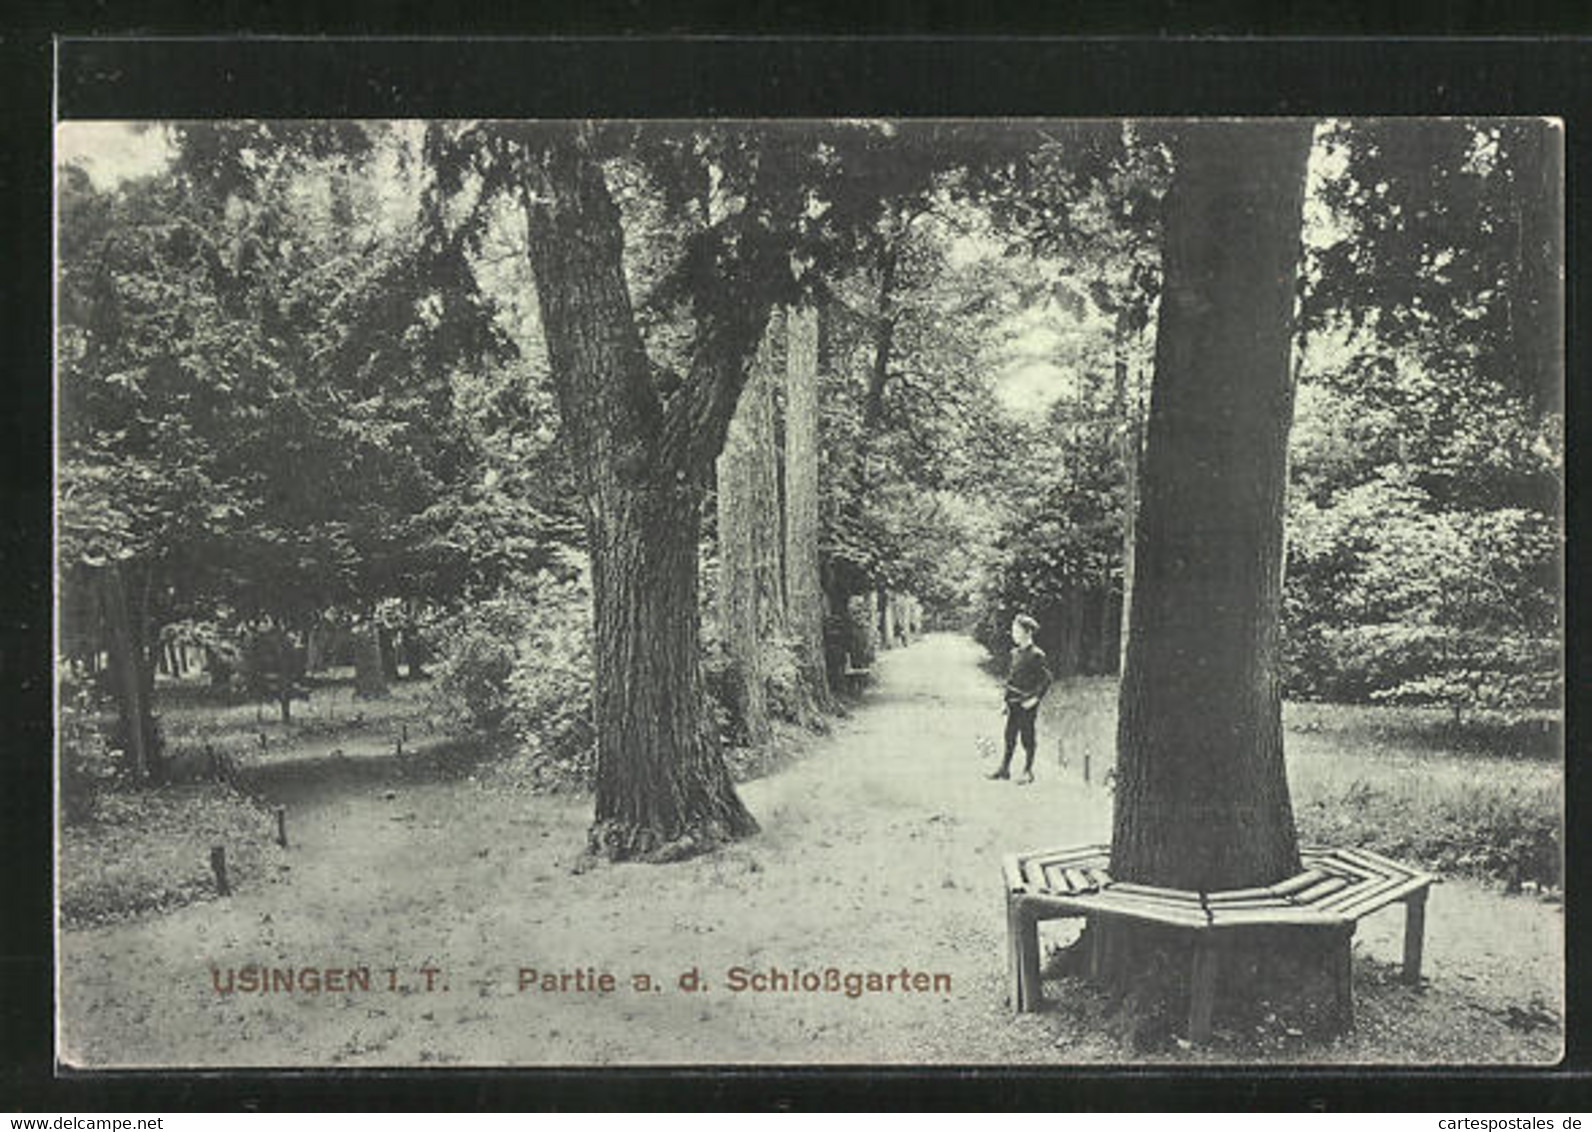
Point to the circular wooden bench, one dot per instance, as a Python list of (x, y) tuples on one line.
[(1333, 891)]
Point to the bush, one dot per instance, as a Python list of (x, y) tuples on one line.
[(89, 764), (516, 673), (1497, 833), (1390, 598)]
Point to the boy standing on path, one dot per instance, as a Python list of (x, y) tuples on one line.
[(1026, 683)]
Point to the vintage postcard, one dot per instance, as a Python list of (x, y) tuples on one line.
[(884, 591)]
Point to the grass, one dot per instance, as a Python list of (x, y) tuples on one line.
[(1476, 800), (149, 849), (1473, 802)]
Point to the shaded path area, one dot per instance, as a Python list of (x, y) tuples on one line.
[(879, 853)]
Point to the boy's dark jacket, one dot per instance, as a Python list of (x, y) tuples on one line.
[(1027, 677)]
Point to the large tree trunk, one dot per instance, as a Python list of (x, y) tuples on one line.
[(1202, 796), (662, 787), (804, 599), (1201, 791), (751, 604)]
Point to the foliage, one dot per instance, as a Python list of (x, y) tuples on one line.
[(89, 765), (1425, 545), (268, 387), (1390, 599), (149, 851), (1069, 540), (516, 671)]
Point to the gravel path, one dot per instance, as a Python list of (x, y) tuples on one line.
[(879, 853)]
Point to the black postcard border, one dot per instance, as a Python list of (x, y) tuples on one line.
[(96, 71)]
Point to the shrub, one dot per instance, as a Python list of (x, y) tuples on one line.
[(89, 764), (515, 672)]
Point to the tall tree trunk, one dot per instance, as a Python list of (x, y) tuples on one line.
[(389, 654), (314, 644), (662, 786), (1202, 795), (1536, 310), (134, 705), (804, 598), (886, 619), (751, 602), (413, 648), (370, 674)]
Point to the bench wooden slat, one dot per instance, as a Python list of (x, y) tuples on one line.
[(1283, 915), (1298, 882), (1227, 896), (1077, 881), (1107, 904), (1360, 892), (1048, 860), (1056, 878), (1321, 889), (1098, 877), (1366, 905), (1383, 866), (1178, 894), (1080, 853), (1342, 866), (1013, 872), (1250, 903)]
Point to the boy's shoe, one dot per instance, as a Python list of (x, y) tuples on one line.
[(1000, 774), (1028, 776)]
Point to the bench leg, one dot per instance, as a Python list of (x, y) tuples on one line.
[(1343, 976), (1414, 935), (1202, 990), (1022, 929)]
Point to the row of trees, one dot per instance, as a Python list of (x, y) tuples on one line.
[(270, 410), (332, 376)]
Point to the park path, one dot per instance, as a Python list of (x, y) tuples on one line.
[(879, 851)]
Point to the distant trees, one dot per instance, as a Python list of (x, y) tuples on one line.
[(750, 583), (256, 399), (1425, 550)]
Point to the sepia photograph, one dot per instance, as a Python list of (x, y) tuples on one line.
[(886, 591)]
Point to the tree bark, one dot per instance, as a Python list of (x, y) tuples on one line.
[(804, 597), (134, 706), (1536, 310), (751, 604), (1127, 411), (370, 674), (389, 654), (662, 788), (1202, 795), (313, 647)]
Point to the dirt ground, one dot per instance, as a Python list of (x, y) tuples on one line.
[(879, 851)]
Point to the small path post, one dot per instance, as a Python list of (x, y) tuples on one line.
[(281, 826), (1086, 768), (218, 865)]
